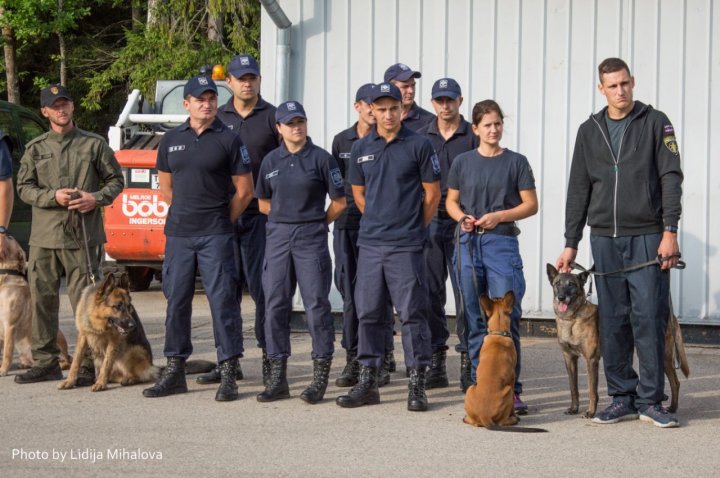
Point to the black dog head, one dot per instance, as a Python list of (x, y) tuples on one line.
[(568, 289)]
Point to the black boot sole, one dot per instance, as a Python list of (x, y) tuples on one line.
[(150, 393), (227, 397), (311, 400), (271, 398), (207, 379), (354, 404), (417, 407)]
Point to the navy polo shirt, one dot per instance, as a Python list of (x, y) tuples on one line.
[(341, 146), (202, 168), (417, 118), (297, 183), (490, 184), (6, 169), (461, 141), (392, 174), (258, 134)]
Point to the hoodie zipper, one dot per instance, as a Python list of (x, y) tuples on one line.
[(616, 160)]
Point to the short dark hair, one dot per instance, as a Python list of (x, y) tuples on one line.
[(611, 65), (484, 107)]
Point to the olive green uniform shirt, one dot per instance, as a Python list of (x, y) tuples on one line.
[(54, 161)]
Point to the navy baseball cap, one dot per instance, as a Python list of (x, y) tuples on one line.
[(446, 87), (400, 72), (197, 85), (51, 93), (384, 90), (243, 65), (365, 92), (289, 110)]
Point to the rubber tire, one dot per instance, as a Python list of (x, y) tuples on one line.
[(139, 278)]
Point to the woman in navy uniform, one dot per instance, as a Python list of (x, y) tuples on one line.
[(488, 190), (291, 188)]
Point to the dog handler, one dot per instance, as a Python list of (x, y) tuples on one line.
[(205, 176), (57, 166), (450, 135), (626, 183), (253, 118), (488, 190), (395, 177), (345, 248), (293, 182)]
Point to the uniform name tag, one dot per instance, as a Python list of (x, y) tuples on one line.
[(172, 149), (344, 155), (364, 159), (272, 174)]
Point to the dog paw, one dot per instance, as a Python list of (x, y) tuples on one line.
[(571, 411), (98, 387), (3, 372), (588, 414), (66, 385)]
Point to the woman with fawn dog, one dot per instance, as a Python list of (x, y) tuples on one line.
[(488, 190)]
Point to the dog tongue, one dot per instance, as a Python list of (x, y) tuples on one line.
[(562, 307)]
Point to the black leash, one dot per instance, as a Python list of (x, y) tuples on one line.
[(460, 314), (81, 238)]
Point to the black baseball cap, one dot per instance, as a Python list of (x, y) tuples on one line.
[(289, 110), (365, 92), (400, 72), (53, 92), (446, 87), (243, 65), (197, 85), (386, 90)]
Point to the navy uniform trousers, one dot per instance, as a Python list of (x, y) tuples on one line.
[(298, 254), (215, 257), (634, 309), (250, 233), (439, 252), (346, 252), (399, 272), (495, 262)]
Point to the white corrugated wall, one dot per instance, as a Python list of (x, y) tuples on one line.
[(538, 59)]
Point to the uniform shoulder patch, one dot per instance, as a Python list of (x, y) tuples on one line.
[(669, 139), (435, 163), (244, 154), (336, 177)]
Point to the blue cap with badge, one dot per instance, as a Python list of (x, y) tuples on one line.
[(288, 110), (243, 65), (446, 87), (386, 90), (197, 85), (400, 72)]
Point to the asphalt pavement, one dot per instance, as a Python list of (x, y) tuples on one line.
[(47, 432)]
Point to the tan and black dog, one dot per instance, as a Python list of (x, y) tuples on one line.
[(16, 311), (577, 331), (489, 403), (109, 327)]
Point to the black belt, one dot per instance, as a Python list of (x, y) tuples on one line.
[(503, 229)]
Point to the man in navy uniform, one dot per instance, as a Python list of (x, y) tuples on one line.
[(402, 76), (345, 248), (205, 176), (450, 135), (395, 177), (253, 118)]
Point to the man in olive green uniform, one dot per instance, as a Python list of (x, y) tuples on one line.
[(64, 170)]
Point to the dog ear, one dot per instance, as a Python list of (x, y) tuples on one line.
[(583, 276), (508, 300), (125, 281), (107, 285), (487, 304), (551, 273)]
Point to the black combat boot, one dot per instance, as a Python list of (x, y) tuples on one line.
[(384, 374), (228, 390), (171, 381), (349, 375), (465, 371), (277, 386), (316, 390), (213, 376), (389, 361), (265, 367), (437, 374), (86, 376), (40, 374), (365, 392), (417, 400)]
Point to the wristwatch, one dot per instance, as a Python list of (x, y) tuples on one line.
[(3, 230), (672, 229)]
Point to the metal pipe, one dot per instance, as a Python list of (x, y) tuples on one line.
[(282, 61)]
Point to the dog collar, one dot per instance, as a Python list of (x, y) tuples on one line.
[(12, 272), (497, 332)]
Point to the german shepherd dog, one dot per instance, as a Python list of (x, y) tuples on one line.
[(16, 310), (489, 404), (577, 331), (109, 327)]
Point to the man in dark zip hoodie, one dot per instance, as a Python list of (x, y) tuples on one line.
[(625, 182)]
